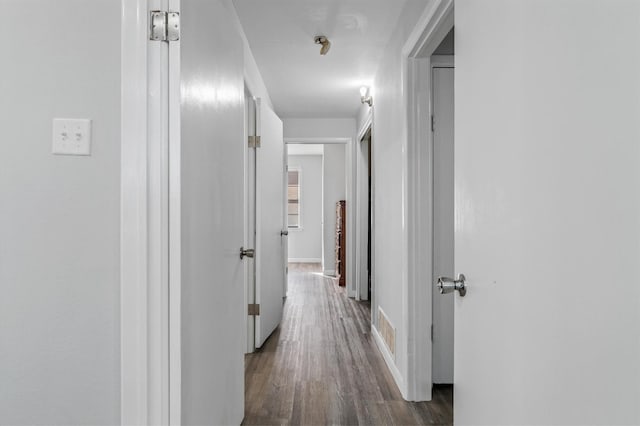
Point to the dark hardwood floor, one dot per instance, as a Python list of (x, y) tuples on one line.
[(321, 366)]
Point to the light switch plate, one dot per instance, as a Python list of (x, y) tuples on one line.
[(71, 136)]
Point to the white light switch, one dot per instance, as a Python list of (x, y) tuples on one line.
[(71, 136)]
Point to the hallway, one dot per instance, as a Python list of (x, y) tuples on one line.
[(321, 366)]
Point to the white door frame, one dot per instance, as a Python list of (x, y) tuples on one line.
[(431, 29), (350, 282), (149, 264)]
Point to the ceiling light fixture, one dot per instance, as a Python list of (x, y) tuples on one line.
[(326, 44), (365, 97)]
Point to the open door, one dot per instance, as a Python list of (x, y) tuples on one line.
[(547, 231), (209, 123), (270, 225)]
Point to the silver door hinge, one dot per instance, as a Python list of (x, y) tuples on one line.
[(164, 26), (254, 141), (433, 124), (432, 332), (253, 309)]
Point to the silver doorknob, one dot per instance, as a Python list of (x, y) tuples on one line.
[(284, 233), (246, 252), (449, 285)]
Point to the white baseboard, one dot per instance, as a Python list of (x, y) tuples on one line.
[(329, 272), (388, 358), (304, 260)]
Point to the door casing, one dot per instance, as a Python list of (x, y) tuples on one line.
[(431, 29), (149, 359)]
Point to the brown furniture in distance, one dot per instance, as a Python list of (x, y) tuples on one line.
[(341, 242)]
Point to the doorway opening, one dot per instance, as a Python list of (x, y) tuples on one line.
[(317, 196), (442, 129), (366, 146), (365, 216), (305, 217)]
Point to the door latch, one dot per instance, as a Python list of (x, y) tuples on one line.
[(247, 252), (449, 285)]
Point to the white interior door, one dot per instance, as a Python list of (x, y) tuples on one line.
[(547, 196), (443, 222), (211, 131), (250, 213), (270, 244)]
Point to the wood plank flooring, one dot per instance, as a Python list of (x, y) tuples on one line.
[(321, 366)]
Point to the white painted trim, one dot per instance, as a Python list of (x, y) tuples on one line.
[(330, 272), (316, 140), (158, 227), (443, 61), (388, 357), (134, 382), (305, 260), (366, 124), (145, 219), (417, 269), (175, 232), (432, 27)]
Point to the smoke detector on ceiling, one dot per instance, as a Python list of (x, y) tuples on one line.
[(326, 44)]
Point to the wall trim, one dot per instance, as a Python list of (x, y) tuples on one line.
[(135, 402), (316, 140), (433, 26), (304, 260), (144, 227), (389, 360), (430, 30), (174, 222), (366, 124)]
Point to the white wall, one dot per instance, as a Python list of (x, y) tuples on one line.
[(334, 190), (59, 215), (305, 244), (319, 127), (252, 77), (389, 145)]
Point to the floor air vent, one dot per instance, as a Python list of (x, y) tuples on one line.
[(387, 332)]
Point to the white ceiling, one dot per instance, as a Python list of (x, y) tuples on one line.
[(301, 83)]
